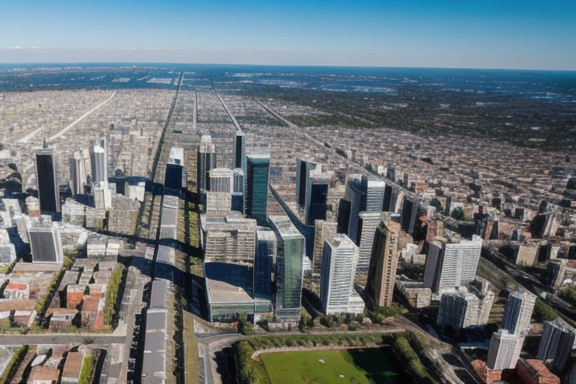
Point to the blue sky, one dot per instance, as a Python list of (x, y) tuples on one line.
[(531, 34)]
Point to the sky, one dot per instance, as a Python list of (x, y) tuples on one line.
[(515, 34)]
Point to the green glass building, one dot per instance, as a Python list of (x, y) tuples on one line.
[(290, 251), (256, 195)]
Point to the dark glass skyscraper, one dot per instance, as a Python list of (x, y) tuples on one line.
[(47, 175), (256, 197), (205, 162), (409, 212), (291, 247), (303, 168), (264, 261), (239, 150)]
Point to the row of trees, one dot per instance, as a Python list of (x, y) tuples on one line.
[(44, 302), (112, 294), (14, 363)]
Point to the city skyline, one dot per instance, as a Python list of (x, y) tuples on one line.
[(451, 34)]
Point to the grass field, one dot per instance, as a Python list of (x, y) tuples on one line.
[(364, 366)]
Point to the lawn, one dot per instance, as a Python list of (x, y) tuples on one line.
[(356, 366)]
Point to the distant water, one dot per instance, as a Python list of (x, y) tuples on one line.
[(551, 86)]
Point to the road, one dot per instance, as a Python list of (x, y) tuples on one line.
[(70, 126)]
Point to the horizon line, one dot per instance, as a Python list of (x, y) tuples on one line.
[(265, 57), (161, 63)]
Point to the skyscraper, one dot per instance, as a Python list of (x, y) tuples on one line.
[(47, 178), (256, 195), (45, 241), (383, 264), (229, 239), (316, 196), (409, 213), (337, 277), (504, 350), (78, 172), (367, 224), (464, 309), (99, 160), (451, 264), (221, 180), (238, 190), (303, 168), (506, 344), (364, 194), (239, 150), (344, 207), (290, 251), (175, 177), (264, 261), (323, 230), (205, 162), (557, 343), (518, 312)]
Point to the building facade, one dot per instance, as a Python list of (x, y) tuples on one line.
[(451, 264), (47, 178), (337, 278), (205, 162), (383, 265), (557, 343), (256, 190), (45, 241), (289, 255)]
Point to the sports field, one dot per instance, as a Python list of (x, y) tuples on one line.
[(361, 366)]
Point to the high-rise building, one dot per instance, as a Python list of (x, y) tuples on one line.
[(303, 168), (344, 208), (99, 160), (506, 344), (205, 162), (218, 201), (451, 264), (367, 224), (555, 272), (240, 150), (557, 343), (504, 350), (337, 278), (387, 200), (364, 194), (256, 190), (264, 261), (219, 198), (289, 263), (458, 310), (323, 230), (45, 241), (238, 190), (47, 178), (409, 214), (383, 264), (175, 177), (518, 313), (316, 196), (103, 195), (221, 180), (229, 239), (78, 172), (464, 309)]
